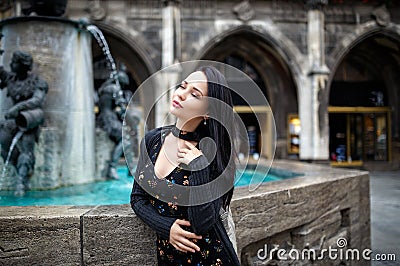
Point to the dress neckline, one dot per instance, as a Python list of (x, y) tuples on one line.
[(164, 133)]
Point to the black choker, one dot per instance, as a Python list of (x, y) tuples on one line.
[(185, 135)]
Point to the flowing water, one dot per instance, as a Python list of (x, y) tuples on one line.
[(13, 143), (98, 35)]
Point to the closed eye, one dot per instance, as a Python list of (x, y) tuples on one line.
[(196, 92)]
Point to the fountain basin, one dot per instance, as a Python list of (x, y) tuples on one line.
[(324, 203), (109, 192)]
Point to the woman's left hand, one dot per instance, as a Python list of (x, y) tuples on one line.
[(188, 153)]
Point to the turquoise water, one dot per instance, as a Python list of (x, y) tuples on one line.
[(111, 191), (246, 177)]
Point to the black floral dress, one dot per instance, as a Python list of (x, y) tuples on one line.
[(212, 250)]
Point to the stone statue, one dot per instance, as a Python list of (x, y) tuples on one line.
[(131, 136), (27, 92), (53, 8), (112, 106)]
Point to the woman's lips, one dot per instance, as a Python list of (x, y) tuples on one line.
[(176, 104)]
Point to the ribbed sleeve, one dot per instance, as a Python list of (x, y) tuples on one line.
[(145, 211), (140, 202), (202, 217)]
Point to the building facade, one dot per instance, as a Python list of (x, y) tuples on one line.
[(329, 69)]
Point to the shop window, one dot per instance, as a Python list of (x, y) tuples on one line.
[(359, 134), (294, 129)]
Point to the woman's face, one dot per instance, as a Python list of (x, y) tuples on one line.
[(189, 100)]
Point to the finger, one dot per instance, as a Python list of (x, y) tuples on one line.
[(178, 248), (182, 222), (181, 154), (183, 159), (189, 245), (186, 249), (190, 145), (188, 234), (184, 150)]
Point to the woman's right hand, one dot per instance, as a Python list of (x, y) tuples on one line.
[(180, 238)]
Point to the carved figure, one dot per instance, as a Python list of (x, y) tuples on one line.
[(112, 106), (27, 92)]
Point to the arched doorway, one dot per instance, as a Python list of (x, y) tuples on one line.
[(253, 54), (364, 96)]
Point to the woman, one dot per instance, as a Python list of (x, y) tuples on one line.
[(170, 157)]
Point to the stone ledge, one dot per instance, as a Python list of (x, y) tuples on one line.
[(325, 201), (114, 235), (41, 235)]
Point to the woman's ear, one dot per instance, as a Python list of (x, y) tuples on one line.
[(205, 118)]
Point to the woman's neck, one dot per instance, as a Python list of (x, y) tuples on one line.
[(188, 126)]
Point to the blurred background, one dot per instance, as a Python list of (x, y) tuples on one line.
[(329, 69)]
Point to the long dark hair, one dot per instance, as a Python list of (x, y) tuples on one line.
[(221, 133)]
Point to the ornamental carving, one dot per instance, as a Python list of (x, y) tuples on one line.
[(243, 11), (96, 10), (316, 4), (381, 15)]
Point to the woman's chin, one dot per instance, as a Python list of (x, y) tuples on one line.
[(173, 111)]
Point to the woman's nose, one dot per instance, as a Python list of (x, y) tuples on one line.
[(181, 94)]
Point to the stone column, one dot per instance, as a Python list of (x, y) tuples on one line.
[(314, 115), (171, 43)]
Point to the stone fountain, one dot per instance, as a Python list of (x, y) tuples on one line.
[(69, 144)]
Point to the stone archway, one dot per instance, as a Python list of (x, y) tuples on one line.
[(132, 51), (366, 75), (251, 52)]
